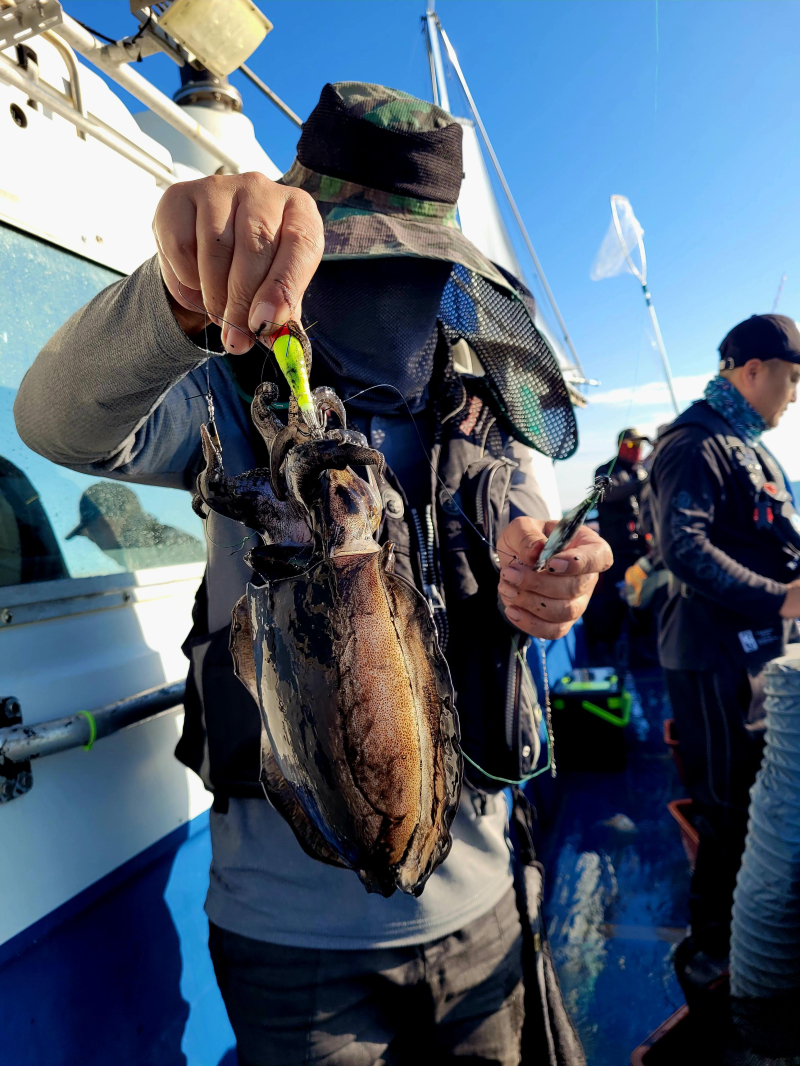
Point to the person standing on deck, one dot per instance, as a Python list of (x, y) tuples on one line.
[(311, 968), (730, 537), (618, 521)]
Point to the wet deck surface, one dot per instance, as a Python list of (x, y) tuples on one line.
[(617, 886)]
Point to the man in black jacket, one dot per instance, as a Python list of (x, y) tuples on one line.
[(618, 518), (730, 537)]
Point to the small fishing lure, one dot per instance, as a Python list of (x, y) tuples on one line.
[(290, 356), (572, 521)]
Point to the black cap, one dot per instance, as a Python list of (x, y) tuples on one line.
[(632, 434), (105, 499), (761, 337)]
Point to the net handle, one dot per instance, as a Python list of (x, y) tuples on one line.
[(640, 274)]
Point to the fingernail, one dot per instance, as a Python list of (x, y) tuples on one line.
[(265, 319), (558, 566), (228, 343), (508, 591), (512, 576), (513, 614), (236, 340)]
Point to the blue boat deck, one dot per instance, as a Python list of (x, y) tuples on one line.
[(618, 883), (121, 974)]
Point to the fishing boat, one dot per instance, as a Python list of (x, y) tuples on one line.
[(104, 834)]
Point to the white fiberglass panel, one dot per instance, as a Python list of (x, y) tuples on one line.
[(231, 128), (89, 812), (68, 642), (77, 192)]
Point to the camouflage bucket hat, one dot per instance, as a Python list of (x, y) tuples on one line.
[(385, 170)]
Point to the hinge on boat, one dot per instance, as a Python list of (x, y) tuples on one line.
[(15, 777)]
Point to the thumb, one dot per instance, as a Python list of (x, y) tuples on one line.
[(523, 540)]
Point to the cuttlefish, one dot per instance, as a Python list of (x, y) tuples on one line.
[(361, 754)]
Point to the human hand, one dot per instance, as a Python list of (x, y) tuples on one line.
[(242, 247), (548, 603), (791, 605)]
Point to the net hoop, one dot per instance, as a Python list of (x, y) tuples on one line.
[(641, 275)]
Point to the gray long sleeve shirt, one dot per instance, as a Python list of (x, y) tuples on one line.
[(119, 391)]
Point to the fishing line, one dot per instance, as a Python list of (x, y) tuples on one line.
[(238, 547), (633, 392), (256, 338), (636, 371), (551, 762), (299, 574), (212, 422), (209, 398), (655, 84)]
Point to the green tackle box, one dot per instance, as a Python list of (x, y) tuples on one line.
[(590, 711)]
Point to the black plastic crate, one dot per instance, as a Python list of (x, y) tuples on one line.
[(590, 711)]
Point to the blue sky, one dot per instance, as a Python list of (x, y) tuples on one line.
[(689, 109)]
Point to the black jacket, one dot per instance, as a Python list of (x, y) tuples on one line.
[(730, 537), (618, 514)]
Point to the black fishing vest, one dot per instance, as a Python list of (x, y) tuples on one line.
[(449, 555)]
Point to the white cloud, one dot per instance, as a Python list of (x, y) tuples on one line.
[(654, 393)]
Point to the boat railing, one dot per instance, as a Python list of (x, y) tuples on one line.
[(69, 58), (13, 74), (21, 743), (26, 19), (110, 60), (107, 59)]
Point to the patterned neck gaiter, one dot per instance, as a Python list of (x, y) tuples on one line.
[(727, 401)]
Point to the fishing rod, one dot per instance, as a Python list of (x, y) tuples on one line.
[(778, 295)]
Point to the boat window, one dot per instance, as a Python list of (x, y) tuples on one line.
[(54, 522)]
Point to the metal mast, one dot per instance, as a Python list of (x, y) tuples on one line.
[(438, 79), (440, 96)]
